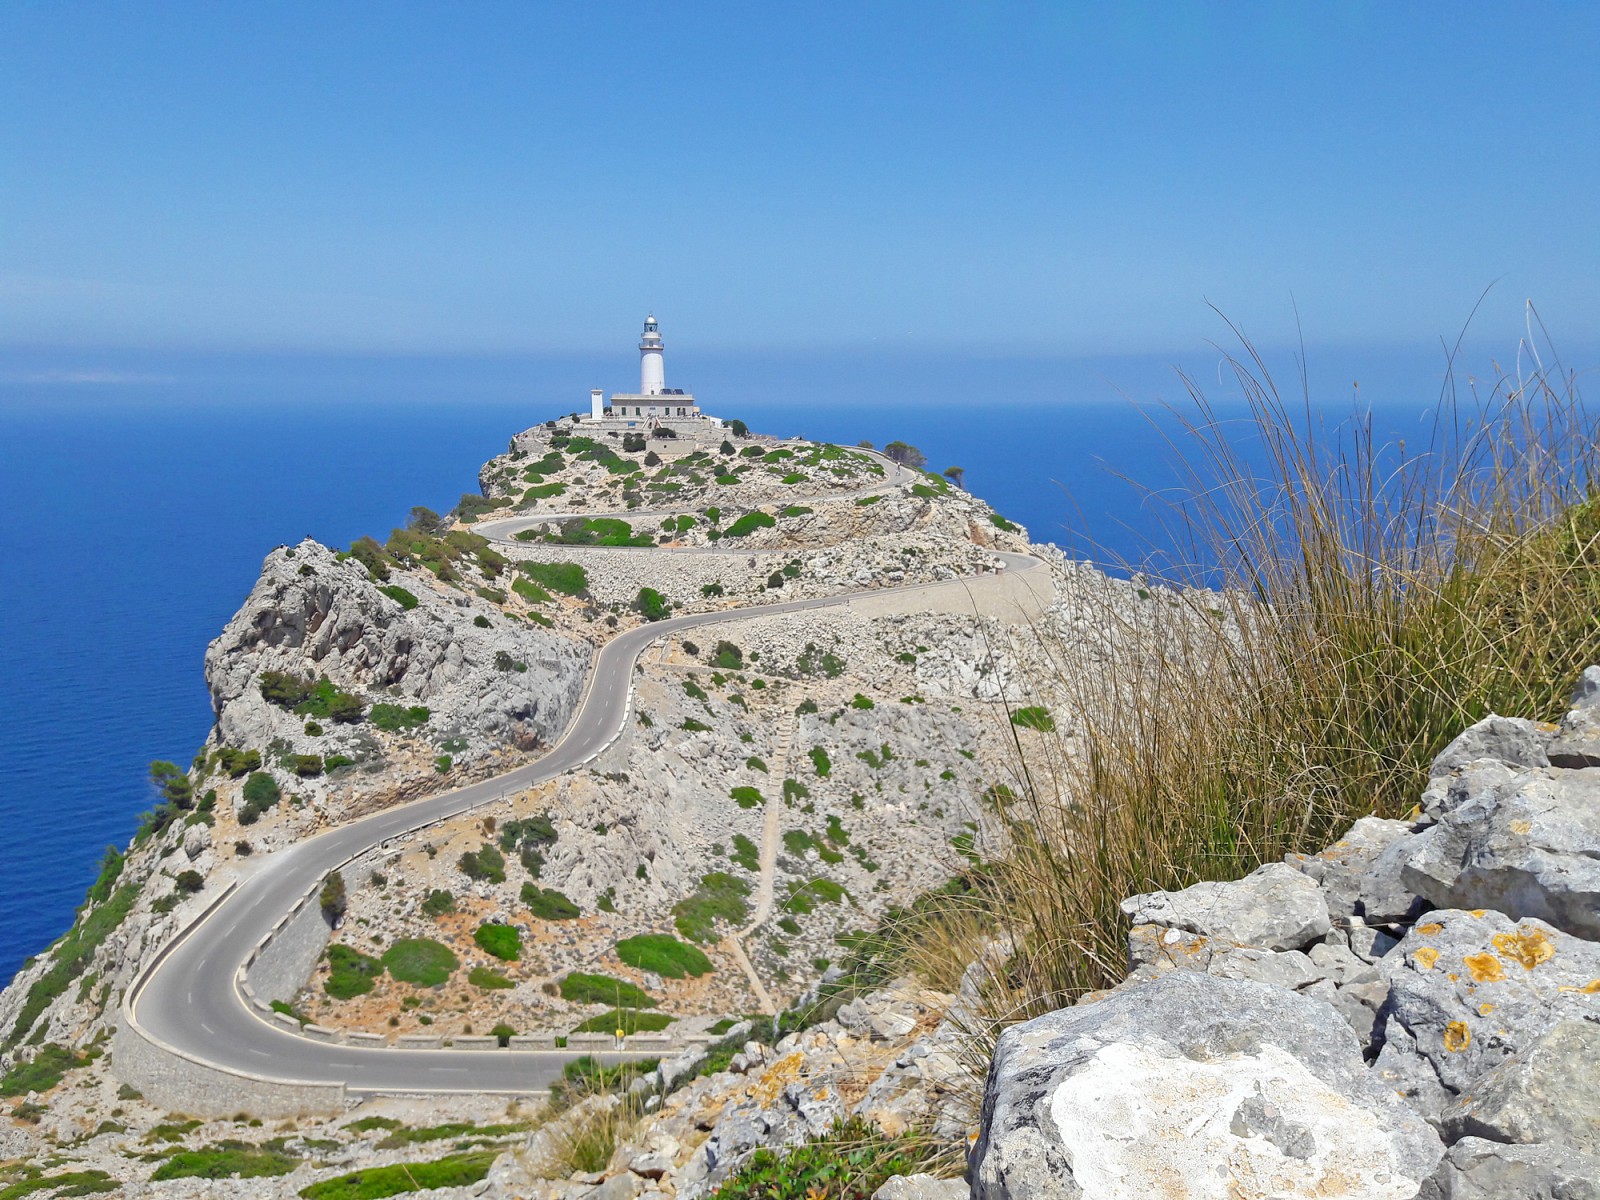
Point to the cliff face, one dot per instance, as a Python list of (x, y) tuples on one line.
[(487, 684)]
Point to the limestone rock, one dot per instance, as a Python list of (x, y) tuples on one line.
[(1197, 1086), (1476, 1169), (1577, 743), (1549, 1092), (1511, 740), (1343, 868), (1275, 907), (1524, 846), (1474, 988), (921, 1187)]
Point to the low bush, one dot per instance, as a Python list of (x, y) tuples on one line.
[(488, 979), (238, 763), (584, 988), (306, 766), (652, 605), (41, 1072), (628, 1020), (1034, 717), (487, 864), (749, 523), (420, 961), (820, 762), (399, 595), (437, 903), (663, 954), (548, 904), (570, 579), (719, 896), (530, 591), (226, 1160), (747, 797), (850, 1162), (456, 1171), (745, 853), (502, 941), (350, 973), (394, 718)]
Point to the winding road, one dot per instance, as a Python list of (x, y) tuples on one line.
[(188, 997)]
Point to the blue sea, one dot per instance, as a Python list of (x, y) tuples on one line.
[(140, 493)]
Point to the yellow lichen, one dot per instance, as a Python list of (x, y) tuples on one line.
[(1521, 827), (1425, 957), (1428, 930), (1485, 967), (1527, 945), (1485, 1009), (1478, 912), (1457, 1037)]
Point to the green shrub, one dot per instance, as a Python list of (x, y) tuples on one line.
[(1003, 525), (229, 1160), (570, 579), (719, 896), (861, 701), (306, 766), (486, 864), (502, 941), (652, 605), (66, 1183), (238, 763), (334, 761), (283, 689), (820, 761), (111, 864), (629, 1020), (173, 783), (747, 797), (663, 954), (392, 718), (488, 979), (399, 595), (437, 903), (795, 510), (583, 988), (849, 1162), (351, 973), (189, 882), (756, 764), (749, 523), (40, 1073), (745, 853), (420, 961), (548, 904), (690, 725), (727, 657), (458, 1170), (260, 793), (1035, 717), (70, 957), (529, 591)]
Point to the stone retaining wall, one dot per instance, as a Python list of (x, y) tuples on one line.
[(283, 963), (179, 1084)]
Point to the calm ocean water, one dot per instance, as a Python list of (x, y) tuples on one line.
[(138, 508)]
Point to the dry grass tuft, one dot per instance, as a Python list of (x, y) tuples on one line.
[(1374, 601)]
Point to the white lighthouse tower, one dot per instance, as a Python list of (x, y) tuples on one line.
[(654, 405), (652, 374)]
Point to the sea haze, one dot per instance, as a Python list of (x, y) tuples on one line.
[(141, 495)]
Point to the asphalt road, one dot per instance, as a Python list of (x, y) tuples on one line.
[(189, 1000)]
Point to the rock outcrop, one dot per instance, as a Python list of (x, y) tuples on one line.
[(1270, 1040)]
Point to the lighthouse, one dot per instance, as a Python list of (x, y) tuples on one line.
[(652, 375), (654, 406)]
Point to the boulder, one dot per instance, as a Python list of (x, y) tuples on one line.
[(1549, 1092), (1476, 1169), (1524, 844), (1196, 1086), (1474, 988), (1577, 742), (921, 1187), (1275, 907), (1343, 869), (1512, 740)]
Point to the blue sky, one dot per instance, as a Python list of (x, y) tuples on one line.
[(1044, 179)]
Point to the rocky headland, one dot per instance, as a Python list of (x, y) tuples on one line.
[(1413, 1011)]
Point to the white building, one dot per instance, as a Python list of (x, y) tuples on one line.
[(654, 404)]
